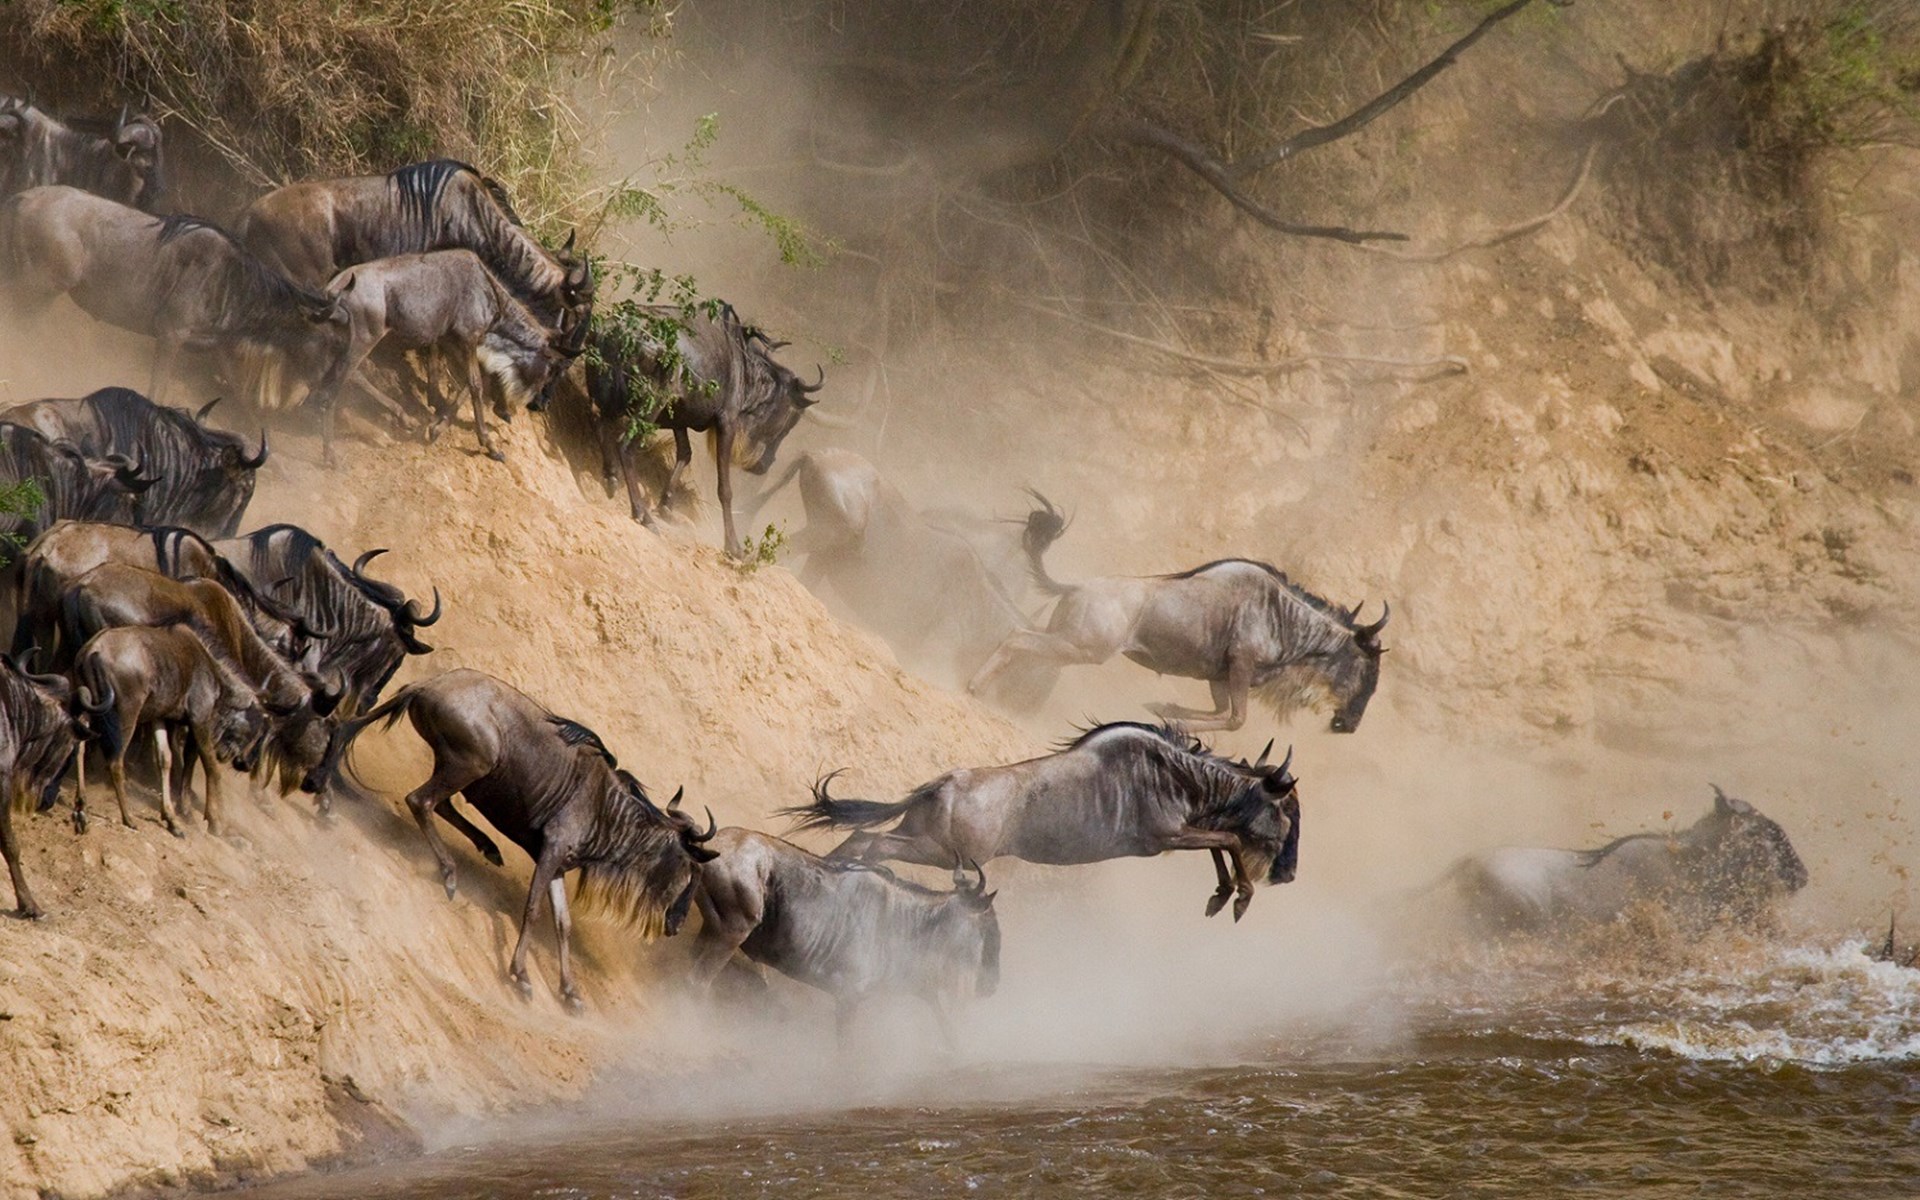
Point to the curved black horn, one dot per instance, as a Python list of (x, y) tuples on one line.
[(713, 827), (414, 615), (121, 121), (810, 388), (206, 408), (360, 564), (1366, 633), (1262, 760), (1286, 762), (259, 458), (571, 235), (23, 661), (678, 794)]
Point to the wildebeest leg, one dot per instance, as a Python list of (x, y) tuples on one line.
[(636, 503), (209, 768), (563, 933), (1229, 704), (477, 383), (682, 456), (430, 797), (545, 873), (186, 751), (481, 842), (867, 846), (1049, 647), (721, 935), (166, 781), (723, 466), (117, 774), (1189, 838), (10, 848), (1219, 899)]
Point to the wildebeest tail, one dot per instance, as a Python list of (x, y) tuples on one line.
[(826, 812), (103, 721), (343, 735), (1044, 527)]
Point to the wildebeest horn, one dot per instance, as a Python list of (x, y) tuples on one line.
[(810, 388), (713, 827), (1367, 633), (1286, 762), (360, 564), (571, 235), (120, 122), (1720, 801), (414, 615), (1262, 760), (23, 663), (205, 409), (678, 794), (259, 458)]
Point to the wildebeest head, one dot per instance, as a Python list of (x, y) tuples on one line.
[(1267, 815), (776, 400), (240, 733), (1745, 857), (136, 141), (1353, 677), (975, 902), (13, 122)]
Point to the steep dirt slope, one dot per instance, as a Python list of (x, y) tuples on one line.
[(197, 1008)]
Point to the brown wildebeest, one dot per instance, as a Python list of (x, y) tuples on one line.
[(852, 930), (1731, 865), (312, 231), (119, 160), (38, 739), (551, 786), (166, 681), (1122, 790), (180, 280), (721, 378), (1240, 625), (448, 302), (203, 477)]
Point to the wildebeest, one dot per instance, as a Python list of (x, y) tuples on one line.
[(166, 681), (119, 160), (1730, 865), (719, 377), (73, 486), (919, 585), (445, 301), (371, 626), (852, 930), (1120, 790), (314, 230), (203, 477), (37, 744), (297, 704), (180, 280), (1240, 625), (57, 558), (551, 786)]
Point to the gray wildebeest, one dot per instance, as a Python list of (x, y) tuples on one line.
[(72, 486), (371, 626), (38, 739), (923, 588), (1122, 790), (852, 930), (551, 786), (203, 477), (1240, 625), (166, 682), (180, 280), (718, 377), (119, 159), (1732, 864), (312, 231), (448, 302)]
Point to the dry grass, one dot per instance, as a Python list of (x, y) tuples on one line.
[(278, 90)]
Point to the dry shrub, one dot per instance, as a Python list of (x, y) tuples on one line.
[(278, 90)]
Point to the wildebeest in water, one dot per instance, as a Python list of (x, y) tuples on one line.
[(1730, 865), (1122, 790), (1240, 625), (850, 929), (551, 786)]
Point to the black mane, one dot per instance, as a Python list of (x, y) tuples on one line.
[(1323, 607)]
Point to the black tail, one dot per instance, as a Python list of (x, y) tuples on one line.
[(342, 739), (828, 813), (1044, 527), (103, 724)]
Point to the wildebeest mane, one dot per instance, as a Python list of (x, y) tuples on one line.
[(1593, 858), (183, 455), (1323, 607), (573, 733), (253, 293), (1224, 791), (486, 224)]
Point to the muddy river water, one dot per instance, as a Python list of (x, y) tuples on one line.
[(1792, 1072)]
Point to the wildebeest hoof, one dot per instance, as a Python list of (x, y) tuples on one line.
[(492, 855), (496, 456), (178, 832), (433, 431), (1216, 902), (79, 821), (447, 881), (524, 986), (1240, 907), (574, 1005)]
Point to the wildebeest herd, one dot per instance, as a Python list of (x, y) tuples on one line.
[(149, 633)]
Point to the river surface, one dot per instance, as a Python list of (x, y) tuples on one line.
[(1792, 1072)]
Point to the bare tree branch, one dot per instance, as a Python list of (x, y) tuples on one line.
[(1366, 114)]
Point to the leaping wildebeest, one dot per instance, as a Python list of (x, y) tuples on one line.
[(850, 929), (551, 786), (38, 739), (1122, 790), (166, 682), (203, 477), (720, 378), (180, 280), (1731, 865), (1241, 625), (314, 230), (120, 160), (445, 301)]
